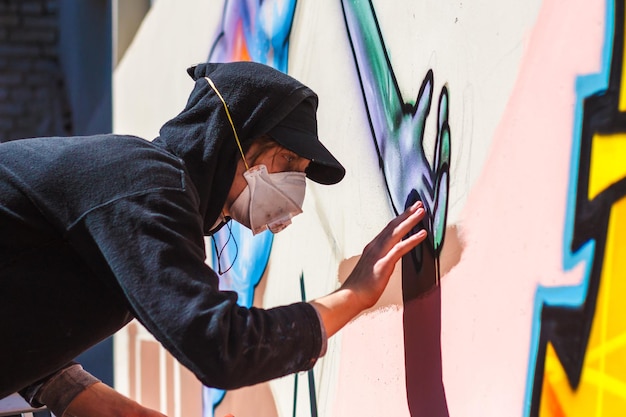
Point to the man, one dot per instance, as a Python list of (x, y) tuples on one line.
[(98, 230)]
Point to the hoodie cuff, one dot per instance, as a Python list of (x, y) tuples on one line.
[(60, 389), (323, 335)]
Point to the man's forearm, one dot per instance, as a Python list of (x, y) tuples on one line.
[(99, 400), (74, 392), (336, 310)]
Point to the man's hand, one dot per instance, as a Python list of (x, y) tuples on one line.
[(368, 280)]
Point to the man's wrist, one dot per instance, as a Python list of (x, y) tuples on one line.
[(337, 309)]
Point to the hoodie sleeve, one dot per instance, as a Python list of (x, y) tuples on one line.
[(152, 244)]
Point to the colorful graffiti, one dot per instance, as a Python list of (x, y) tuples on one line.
[(255, 30), (398, 129), (577, 365), (398, 126)]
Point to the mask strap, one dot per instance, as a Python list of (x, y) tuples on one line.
[(229, 119), (218, 252)]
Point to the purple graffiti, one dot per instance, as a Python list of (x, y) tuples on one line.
[(398, 131)]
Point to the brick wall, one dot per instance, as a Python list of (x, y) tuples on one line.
[(32, 93)]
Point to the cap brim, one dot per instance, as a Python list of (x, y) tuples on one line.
[(324, 167), (298, 133)]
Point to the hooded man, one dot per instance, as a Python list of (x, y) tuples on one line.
[(96, 231)]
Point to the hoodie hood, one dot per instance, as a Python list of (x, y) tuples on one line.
[(258, 98)]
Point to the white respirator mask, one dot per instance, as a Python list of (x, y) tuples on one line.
[(269, 201)]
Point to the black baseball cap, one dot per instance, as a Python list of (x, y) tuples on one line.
[(298, 133)]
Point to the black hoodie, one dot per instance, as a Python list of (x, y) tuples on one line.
[(95, 231)]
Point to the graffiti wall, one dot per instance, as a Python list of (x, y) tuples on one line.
[(505, 119)]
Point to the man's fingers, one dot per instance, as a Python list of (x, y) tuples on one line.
[(405, 246), (393, 238), (401, 248), (408, 220)]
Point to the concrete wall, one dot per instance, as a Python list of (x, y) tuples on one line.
[(506, 119)]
